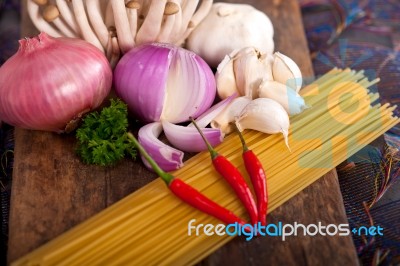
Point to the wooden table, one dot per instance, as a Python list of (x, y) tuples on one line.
[(53, 191)]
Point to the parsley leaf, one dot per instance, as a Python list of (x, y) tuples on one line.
[(102, 138)]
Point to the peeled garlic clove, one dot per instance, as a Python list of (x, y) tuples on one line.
[(286, 71), (225, 78), (250, 69), (286, 96), (229, 113), (265, 115)]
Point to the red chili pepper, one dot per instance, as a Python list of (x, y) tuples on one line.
[(189, 194), (235, 179), (194, 198), (258, 179)]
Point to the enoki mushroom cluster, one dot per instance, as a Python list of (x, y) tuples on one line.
[(116, 26)]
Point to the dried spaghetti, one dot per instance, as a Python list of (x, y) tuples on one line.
[(150, 225)]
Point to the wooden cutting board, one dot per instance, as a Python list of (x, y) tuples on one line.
[(53, 191)]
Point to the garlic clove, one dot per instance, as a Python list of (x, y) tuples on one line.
[(265, 115), (250, 69), (267, 61), (224, 119), (286, 71), (225, 78), (286, 96)]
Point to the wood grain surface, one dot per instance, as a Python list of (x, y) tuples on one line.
[(53, 191)]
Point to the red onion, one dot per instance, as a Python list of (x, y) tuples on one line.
[(164, 82), (51, 82), (184, 138)]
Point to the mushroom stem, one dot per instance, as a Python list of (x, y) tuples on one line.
[(125, 38), (188, 10), (40, 2), (109, 16), (108, 49), (96, 20), (52, 14), (150, 28), (132, 11), (115, 54), (176, 31), (144, 7), (38, 21), (66, 14), (166, 29), (87, 32), (200, 14)]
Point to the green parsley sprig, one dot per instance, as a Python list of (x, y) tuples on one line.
[(103, 136)]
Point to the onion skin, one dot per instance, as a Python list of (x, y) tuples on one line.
[(50, 82), (188, 139), (163, 81), (168, 158), (135, 83)]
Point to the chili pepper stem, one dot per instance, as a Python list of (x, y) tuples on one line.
[(164, 176), (213, 153), (244, 145)]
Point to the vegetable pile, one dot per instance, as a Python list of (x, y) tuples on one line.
[(103, 139), (51, 83), (163, 84)]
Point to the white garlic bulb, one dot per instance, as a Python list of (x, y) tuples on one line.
[(228, 27), (242, 72)]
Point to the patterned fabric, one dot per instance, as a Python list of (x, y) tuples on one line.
[(365, 35)]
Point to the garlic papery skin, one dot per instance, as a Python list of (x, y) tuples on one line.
[(286, 71), (265, 115), (243, 71), (224, 120), (228, 27), (286, 96)]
